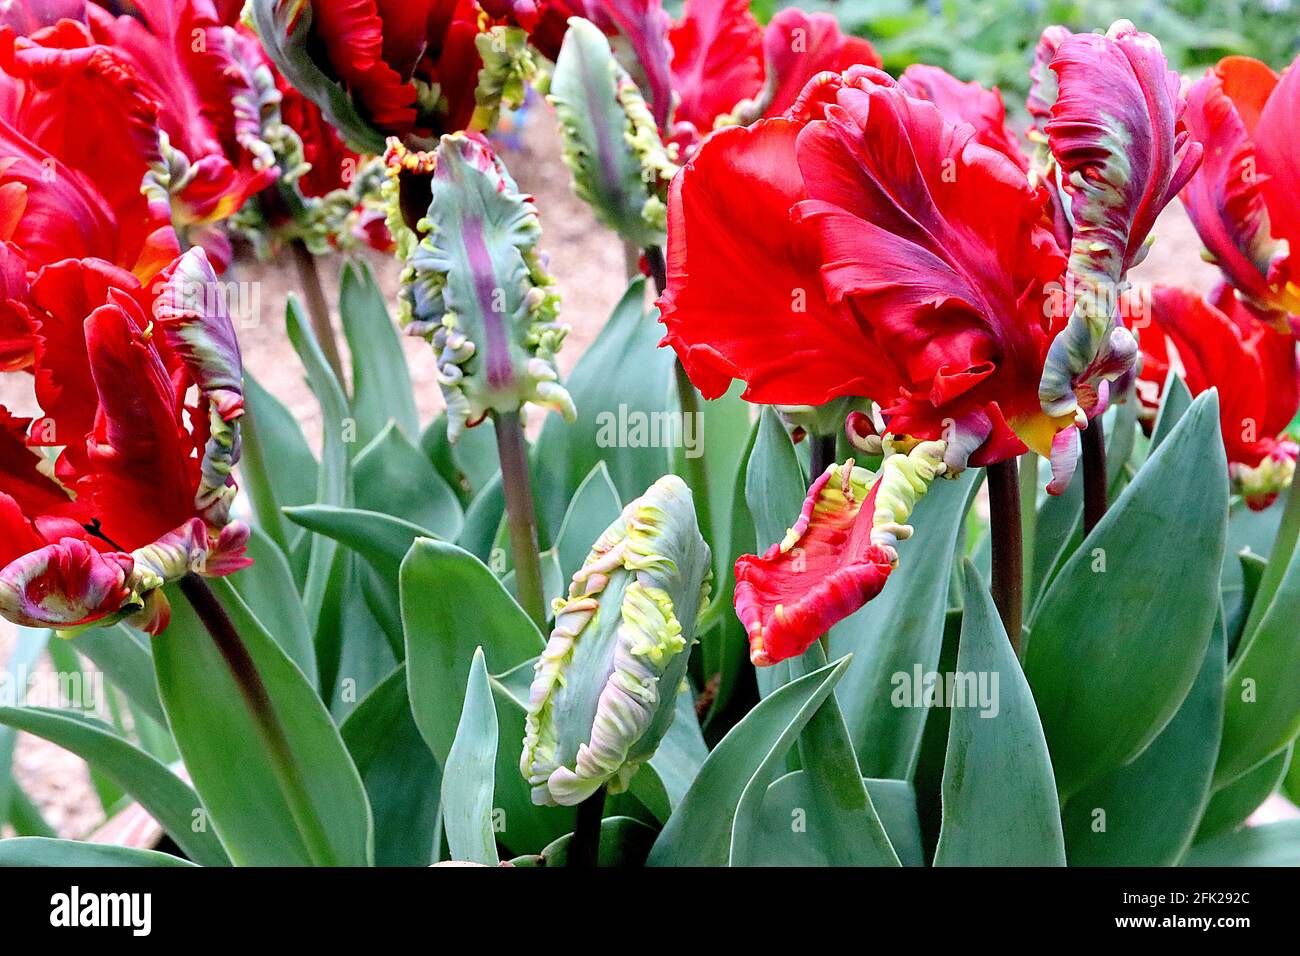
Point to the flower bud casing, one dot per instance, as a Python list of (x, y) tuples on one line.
[(605, 688)]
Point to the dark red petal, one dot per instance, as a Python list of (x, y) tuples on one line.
[(966, 103), (717, 59), (142, 479), (826, 569), (800, 45), (935, 241), (744, 298)]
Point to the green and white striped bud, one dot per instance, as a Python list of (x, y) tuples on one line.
[(620, 166), (605, 689)]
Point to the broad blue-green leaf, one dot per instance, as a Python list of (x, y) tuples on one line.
[(775, 488), (25, 817), (277, 468), (467, 784), (468, 465), (699, 833), (271, 594), (527, 828), (451, 604), (297, 800), (664, 780), (45, 852), (595, 506), (791, 836), (900, 630), (1230, 806), (622, 387), (1262, 693), (22, 658), (1273, 844), (724, 645), (392, 477), (999, 799), (334, 483), (400, 775), (380, 539), (381, 385), (1110, 654), (1113, 822), (125, 658), (1173, 406), (841, 821), (162, 794), (484, 519)]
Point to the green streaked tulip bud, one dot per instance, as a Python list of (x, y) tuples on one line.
[(476, 288), (510, 67), (620, 166), (606, 686)]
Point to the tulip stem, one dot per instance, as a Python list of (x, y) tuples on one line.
[(584, 848), (821, 455), (240, 663), (1279, 558), (1094, 474), (696, 474), (1008, 584), (318, 310), (521, 517)]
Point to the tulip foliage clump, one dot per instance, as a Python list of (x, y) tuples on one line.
[(891, 519)]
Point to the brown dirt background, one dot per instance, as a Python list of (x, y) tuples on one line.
[(590, 266)]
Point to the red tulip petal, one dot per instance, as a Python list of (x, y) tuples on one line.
[(1279, 165), (747, 302), (717, 60), (798, 46), (935, 241), (1224, 198), (966, 103), (826, 568), (143, 474), (1253, 366), (64, 585)]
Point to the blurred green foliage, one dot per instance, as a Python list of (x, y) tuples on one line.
[(992, 41)]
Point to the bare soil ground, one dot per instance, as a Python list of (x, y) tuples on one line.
[(590, 266)]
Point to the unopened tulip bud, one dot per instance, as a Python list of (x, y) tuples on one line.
[(475, 286), (605, 689), (620, 165)]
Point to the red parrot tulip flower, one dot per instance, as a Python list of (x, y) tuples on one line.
[(125, 481), (378, 68), (837, 556), (1245, 200), (1220, 344), (889, 255), (199, 133)]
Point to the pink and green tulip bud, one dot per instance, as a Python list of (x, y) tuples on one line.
[(606, 686), (611, 144), (475, 286)]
